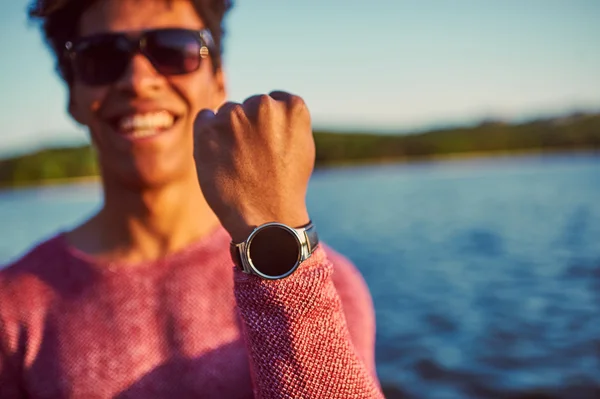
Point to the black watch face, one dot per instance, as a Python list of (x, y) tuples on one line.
[(274, 251)]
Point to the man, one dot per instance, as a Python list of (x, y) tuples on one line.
[(142, 301)]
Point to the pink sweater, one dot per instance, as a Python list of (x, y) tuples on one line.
[(187, 326)]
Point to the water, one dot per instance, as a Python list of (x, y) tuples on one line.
[(485, 273)]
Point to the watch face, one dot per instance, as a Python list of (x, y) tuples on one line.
[(274, 251)]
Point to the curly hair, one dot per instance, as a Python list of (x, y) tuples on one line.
[(60, 19)]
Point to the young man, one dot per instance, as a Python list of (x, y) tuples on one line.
[(142, 301)]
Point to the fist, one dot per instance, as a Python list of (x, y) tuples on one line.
[(254, 161)]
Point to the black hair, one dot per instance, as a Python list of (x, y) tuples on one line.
[(60, 21)]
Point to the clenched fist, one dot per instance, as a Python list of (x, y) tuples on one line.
[(254, 161)]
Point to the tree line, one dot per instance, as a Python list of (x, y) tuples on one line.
[(572, 133)]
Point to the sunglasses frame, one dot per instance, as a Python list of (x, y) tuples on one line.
[(137, 43)]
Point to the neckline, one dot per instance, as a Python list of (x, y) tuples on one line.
[(206, 244)]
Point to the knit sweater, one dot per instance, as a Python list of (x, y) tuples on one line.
[(185, 326)]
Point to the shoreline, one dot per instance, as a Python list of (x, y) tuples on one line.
[(65, 181), (460, 156), (452, 157)]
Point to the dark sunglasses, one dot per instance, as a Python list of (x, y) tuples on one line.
[(102, 59)]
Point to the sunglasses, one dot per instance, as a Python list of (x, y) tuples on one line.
[(102, 59)]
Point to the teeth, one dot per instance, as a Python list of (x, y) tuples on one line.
[(142, 125), (142, 133)]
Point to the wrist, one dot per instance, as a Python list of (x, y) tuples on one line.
[(240, 227)]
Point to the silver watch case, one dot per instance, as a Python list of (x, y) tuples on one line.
[(306, 239)]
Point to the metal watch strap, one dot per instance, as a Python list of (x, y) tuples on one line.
[(311, 237), (309, 231), (236, 256)]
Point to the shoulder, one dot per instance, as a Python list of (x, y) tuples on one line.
[(25, 283), (26, 294), (34, 261)]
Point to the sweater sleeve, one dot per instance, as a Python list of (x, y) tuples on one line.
[(298, 341), (9, 378)]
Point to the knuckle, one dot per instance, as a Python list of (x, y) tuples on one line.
[(224, 107), (257, 105), (237, 110), (264, 98), (297, 106), (265, 103), (297, 102), (253, 100), (280, 94)]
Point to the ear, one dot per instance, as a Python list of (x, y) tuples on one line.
[(220, 88)]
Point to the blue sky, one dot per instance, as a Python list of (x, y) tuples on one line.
[(390, 65)]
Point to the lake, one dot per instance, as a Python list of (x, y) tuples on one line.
[(485, 273)]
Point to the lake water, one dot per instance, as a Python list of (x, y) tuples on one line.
[(485, 273)]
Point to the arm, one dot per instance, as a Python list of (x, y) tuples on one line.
[(9, 378), (254, 161), (297, 337)]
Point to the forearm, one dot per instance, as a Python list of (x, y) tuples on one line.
[(297, 338)]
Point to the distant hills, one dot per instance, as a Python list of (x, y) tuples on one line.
[(577, 132)]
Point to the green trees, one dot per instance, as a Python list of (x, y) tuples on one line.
[(50, 164), (578, 132)]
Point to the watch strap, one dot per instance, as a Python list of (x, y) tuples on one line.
[(236, 256), (312, 237)]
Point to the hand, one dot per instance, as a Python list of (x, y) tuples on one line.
[(254, 161)]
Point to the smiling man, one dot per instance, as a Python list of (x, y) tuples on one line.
[(202, 274)]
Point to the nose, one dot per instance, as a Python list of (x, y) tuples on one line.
[(140, 78)]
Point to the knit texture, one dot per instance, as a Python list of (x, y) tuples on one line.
[(186, 326)]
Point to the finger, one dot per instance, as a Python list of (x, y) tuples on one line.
[(226, 108), (204, 117), (293, 103), (252, 106), (281, 96), (252, 103)]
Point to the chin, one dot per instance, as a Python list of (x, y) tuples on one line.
[(148, 164), (141, 176)]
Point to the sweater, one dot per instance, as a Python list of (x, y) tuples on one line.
[(188, 325)]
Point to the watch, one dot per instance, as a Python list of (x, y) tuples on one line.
[(274, 250)]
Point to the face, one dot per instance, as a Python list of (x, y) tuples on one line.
[(142, 123)]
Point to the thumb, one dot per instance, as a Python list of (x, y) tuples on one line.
[(203, 118)]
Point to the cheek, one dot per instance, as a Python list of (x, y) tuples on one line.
[(85, 104), (200, 91)]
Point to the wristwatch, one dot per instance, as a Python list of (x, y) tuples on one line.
[(274, 250)]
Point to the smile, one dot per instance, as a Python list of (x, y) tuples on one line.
[(142, 125)]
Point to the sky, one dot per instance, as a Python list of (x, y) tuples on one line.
[(378, 65)]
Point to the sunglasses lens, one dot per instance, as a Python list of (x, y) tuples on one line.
[(173, 51), (102, 60)]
